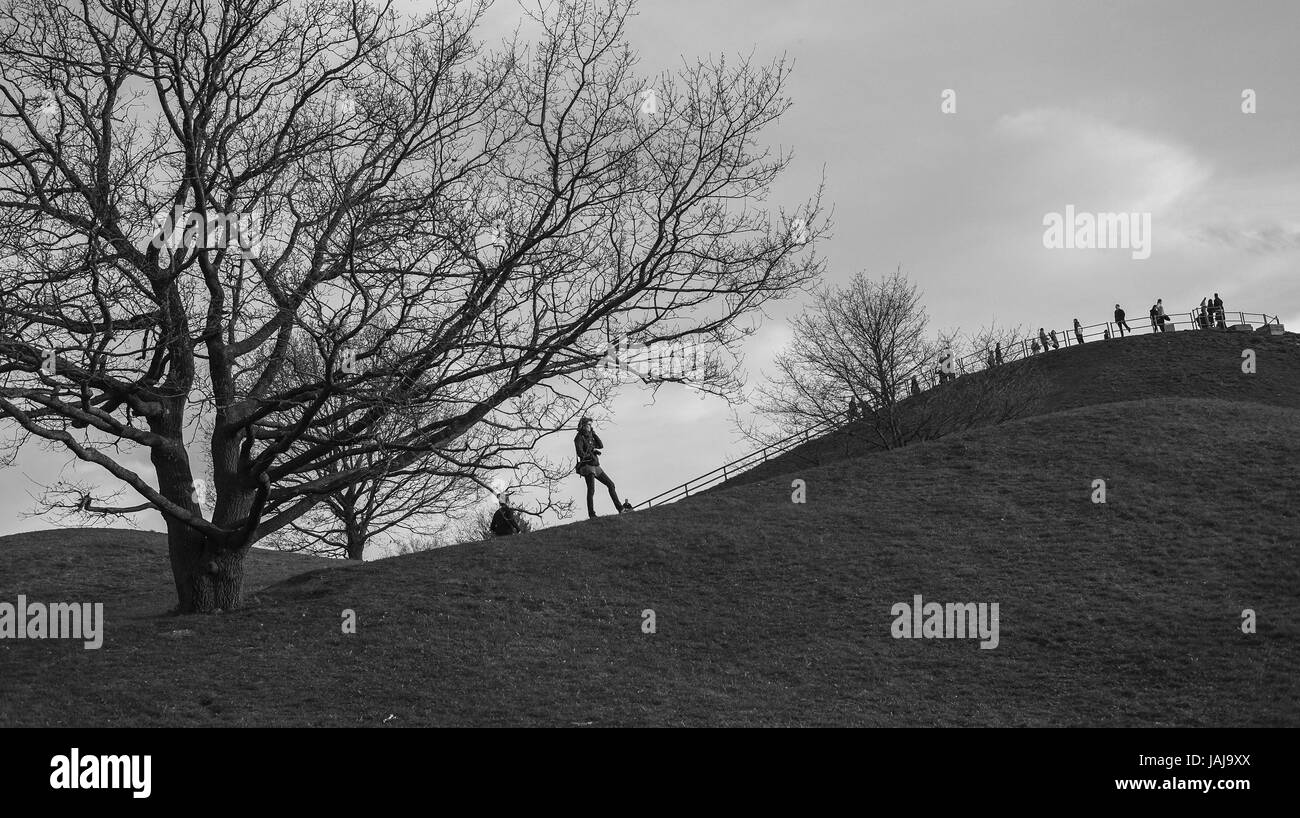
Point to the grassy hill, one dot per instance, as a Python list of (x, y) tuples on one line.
[(1173, 364), (767, 611)]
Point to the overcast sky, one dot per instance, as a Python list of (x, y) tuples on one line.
[(1106, 106)]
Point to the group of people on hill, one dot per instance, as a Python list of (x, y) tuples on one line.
[(588, 446), (1211, 313), (1044, 340)]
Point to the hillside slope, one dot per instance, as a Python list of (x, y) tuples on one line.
[(129, 567), (1176, 364), (776, 613)]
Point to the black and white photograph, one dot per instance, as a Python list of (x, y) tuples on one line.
[(595, 364)]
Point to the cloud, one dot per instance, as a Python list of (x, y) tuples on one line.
[(1087, 161), (1272, 238)]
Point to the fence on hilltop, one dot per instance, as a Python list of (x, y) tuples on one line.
[(968, 364)]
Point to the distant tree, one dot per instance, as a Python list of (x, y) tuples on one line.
[(867, 341), (864, 341), (187, 188)]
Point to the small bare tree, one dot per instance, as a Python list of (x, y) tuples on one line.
[(863, 343), (868, 343)]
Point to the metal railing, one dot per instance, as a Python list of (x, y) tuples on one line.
[(976, 361), (968, 364), (729, 470)]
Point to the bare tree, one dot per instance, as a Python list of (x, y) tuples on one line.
[(417, 501), (453, 229), (867, 343), (863, 342)]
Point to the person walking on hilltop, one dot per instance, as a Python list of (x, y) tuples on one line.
[(853, 408), (1219, 319), (989, 360), (1055, 344), (997, 354), (916, 386), (588, 445), (1155, 318), (1119, 321), (1078, 331), (1042, 338)]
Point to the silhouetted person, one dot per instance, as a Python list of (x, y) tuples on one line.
[(853, 409), (1155, 318), (504, 522), (989, 360), (1034, 347), (916, 386), (1078, 331), (626, 507), (1119, 322), (1220, 321), (587, 444), (997, 354), (1055, 343), (1105, 334), (1203, 316), (1042, 339)]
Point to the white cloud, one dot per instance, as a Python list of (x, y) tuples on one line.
[(1098, 165)]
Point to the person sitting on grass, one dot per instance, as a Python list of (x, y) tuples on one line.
[(504, 522), (588, 445)]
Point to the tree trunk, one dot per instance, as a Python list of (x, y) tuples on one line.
[(209, 575), (356, 544)]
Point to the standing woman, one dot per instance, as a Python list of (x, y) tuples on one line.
[(588, 445)]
